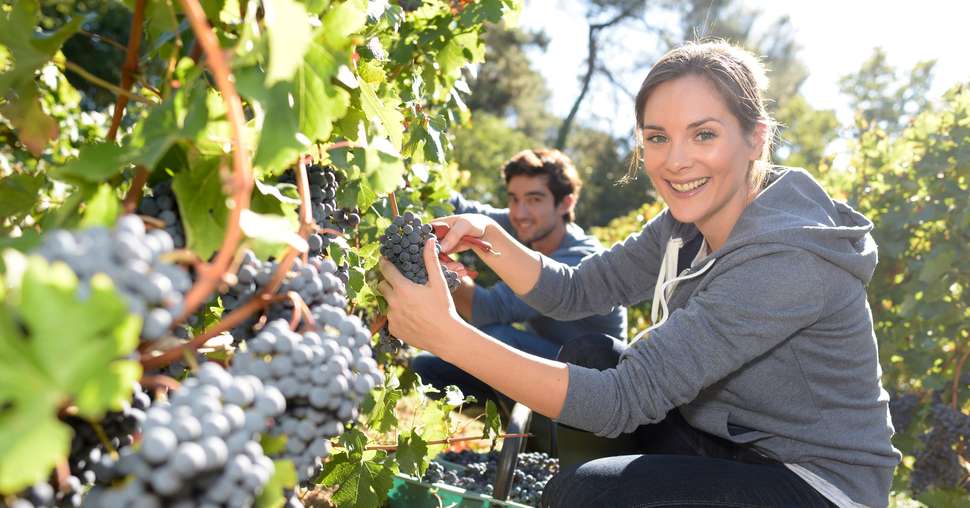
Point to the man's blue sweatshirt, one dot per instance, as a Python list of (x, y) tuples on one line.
[(499, 304)]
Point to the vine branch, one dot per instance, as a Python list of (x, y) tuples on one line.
[(128, 68), (242, 176), (120, 92)]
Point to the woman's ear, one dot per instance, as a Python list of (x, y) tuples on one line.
[(759, 137)]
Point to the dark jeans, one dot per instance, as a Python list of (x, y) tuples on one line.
[(439, 373), (671, 464)]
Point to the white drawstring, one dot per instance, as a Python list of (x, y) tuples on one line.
[(667, 281), (668, 271)]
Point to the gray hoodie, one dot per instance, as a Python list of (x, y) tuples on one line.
[(768, 341)]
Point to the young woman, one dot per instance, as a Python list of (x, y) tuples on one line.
[(758, 383)]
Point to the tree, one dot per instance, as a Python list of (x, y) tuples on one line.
[(884, 99)]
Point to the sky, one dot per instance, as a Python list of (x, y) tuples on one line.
[(835, 36)]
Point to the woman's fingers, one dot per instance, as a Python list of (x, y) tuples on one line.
[(390, 272), (435, 276)]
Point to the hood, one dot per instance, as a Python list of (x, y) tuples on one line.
[(795, 210)]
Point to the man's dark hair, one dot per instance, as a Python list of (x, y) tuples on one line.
[(562, 180)]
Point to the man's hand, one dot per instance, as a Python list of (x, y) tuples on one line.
[(421, 315)]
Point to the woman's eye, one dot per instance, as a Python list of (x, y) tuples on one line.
[(657, 138), (706, 135)]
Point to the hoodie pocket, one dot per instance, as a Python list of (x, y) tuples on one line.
[(743, 435)]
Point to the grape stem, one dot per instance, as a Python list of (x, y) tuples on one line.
[(448, 441), (258, 302), (307, 225), (159, 380), (99, 431), (241, 181), (133, 196)]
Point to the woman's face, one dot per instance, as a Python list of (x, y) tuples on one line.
[(697, 155)]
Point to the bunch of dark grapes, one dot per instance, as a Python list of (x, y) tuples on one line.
[(318, 283), (532, 472), (324, 375), (323, 184), (410, 5), (938, 463), (88, 451), (132, 258), (200, 448), (902, 409), (39, 495), (389, 344), (161, 205), (402, 243)]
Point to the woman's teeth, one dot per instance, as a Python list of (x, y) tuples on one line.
[(689, 186)]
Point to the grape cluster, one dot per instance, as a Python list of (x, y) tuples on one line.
[(200, 448), (323, 184), (324, 375), (131, 257), (39, 495), (532, 472), (119, 427), (161, 204), (902, 409), (402, 243), (938, 463), (319, 282)]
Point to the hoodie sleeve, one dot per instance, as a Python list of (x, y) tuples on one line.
[(499, 304), (742, 313), (622, 275)]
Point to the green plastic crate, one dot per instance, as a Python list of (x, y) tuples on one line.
[(409, 492)]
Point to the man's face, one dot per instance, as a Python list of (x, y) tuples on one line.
[(532, 209)]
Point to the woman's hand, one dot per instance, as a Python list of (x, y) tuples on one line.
[(469, 224), (421, 315)]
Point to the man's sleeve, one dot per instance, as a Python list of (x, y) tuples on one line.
[(499, 304), (499, 215), (621, 276)]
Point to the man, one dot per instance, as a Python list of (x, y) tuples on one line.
[(543, 188)]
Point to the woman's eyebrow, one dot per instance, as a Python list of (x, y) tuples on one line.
[(689, 126)]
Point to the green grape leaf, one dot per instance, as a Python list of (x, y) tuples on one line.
[(380, 409), (102, 209), (273, 231), (284, 477), (280, 140), (342, 21), (435, 423), (382, 168), (35, 381), (493, 422), (110, 388), (937, 264), (412, 454), (319, 103), (96, 163), (29, 48), (152, 137), (384, 112), (202, 206), (19, 193), (461, 50), (35, 128), (363, 482), (32, 440), (289, 36)]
